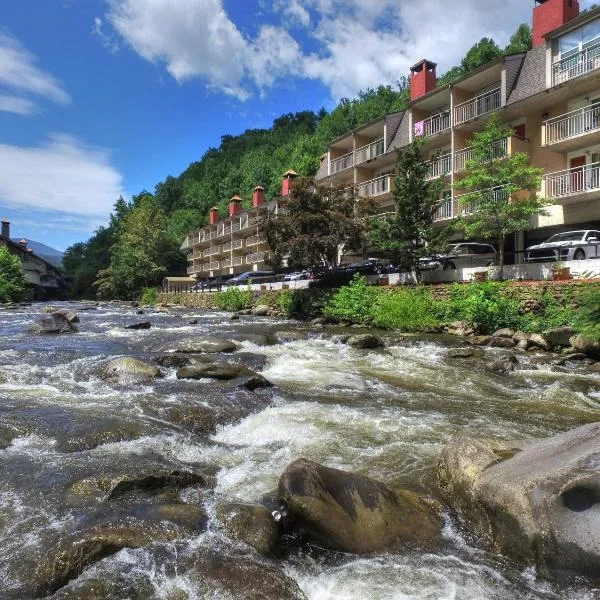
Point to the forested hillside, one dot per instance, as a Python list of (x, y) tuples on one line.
[(257, 156)]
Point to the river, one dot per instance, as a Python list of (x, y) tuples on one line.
[(384, 413)]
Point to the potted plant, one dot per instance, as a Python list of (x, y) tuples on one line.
[(560, 272)]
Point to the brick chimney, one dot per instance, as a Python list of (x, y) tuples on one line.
[(235, 205), (422, 78), (288, 181), (551, 14), (6, 229), (258, 196), (214, 216)]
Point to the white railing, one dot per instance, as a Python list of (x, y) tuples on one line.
[(445, 210), (374, 187), (255, 258), (213, 266), (212, 251), (499, 150), (572, 124), (342, 163), (480, 105), (254, 240), (197, 254), (574, 66), (232, 262), (235, 245), (249, 223), (496, 195), (573, 181), (432, 125), (377, 148), (439, 166)]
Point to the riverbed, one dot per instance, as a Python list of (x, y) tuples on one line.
[(382, 413)]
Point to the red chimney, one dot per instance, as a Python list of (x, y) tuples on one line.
[(551, 14), (5, 229), (258, 196), (214, 217), (287, 183), (422, 78), (235, 205)]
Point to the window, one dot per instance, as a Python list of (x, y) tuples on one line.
[(574, 42)]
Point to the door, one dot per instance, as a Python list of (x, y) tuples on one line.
[(576, 183)]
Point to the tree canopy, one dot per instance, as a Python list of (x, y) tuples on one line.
[(12, 277)]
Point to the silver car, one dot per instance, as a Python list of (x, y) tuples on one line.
[(570, 245), (461, 256)]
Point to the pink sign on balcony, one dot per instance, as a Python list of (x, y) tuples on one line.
[(418, 128)]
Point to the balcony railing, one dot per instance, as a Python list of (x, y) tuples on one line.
[(452, 207), (432, 125), (197, 254), (573, 181), (374, 187), (235, 245), (445, 210), (254, 240), (572, 124), (248, 223), (461, 157), (213, 265), (439, 166), (257, 257), (342, 163), (212, 251), (236, 261), (377, 148), (574, 66), (480, 105)]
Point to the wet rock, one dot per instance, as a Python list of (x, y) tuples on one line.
[(365, 341), (586, 345), (575, 356), (139, 311), (538, 341), (262, 310), (106, 589), (255, 362), (129, 370), (505, 332), (501, 342), (324, 321), (250, 523), (258, 339), (253, 382), (175, 361), (558, 336), (595, 368), (340, 339), (520, 336), (193, 322), (460, 328), (480, 340), (541, 505), (504, 365), (71, 316), (139, 325), (465, 352), (207, 345), (224, 371), (351, 513), (53, 324), (234, 317), (289, 336)]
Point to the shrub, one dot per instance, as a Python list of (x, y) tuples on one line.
[(149, 296), (412, 309), (304, 303), (233, 299), (354, 302), (12, 277)]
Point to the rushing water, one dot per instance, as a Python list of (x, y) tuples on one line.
[(385, 414)]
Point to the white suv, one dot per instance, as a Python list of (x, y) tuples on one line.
[(460, 256), (570, 245)]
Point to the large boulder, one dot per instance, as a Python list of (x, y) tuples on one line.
[(460, 328), (250, 523), (559, 336), (262, 310), (473, 352), (127, 370), (207, 345), (53, 323), (540, 505), (139, 325), (586, 345), (351, 513), (219, 370), (365, 341), (70, 315)]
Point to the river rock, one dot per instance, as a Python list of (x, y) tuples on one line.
[(538, 341), (139, 325), (262, 310), (505, 332), (250, 523), (503, 365), (193, 322), (214, 370), (71, 316), (595, 368), (586, 345), (460, 328), (206, 345), (480, 340), (542, 505), (103, 588), (559, 336), (465, 352), (128, 370), (52, 324), (172, 360), (351, 513), (289, 336), (365, 341), (501, 342)]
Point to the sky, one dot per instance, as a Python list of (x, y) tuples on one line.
[(102, 98)]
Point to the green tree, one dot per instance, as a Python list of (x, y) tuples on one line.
[(314, 229), (481, 53), (409, 234), (503, 189), (521, 40), (12, 277)]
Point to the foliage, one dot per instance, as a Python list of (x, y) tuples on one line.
[(314, 227), (589, 313), (304, 303), (479, 54), (409, 234), (234, 299), (354, 302), (149, 296), (12, 277), (521, 40), (410, 309), (503, 190)]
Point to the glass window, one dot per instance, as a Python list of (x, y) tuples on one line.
[(590, 34), (569, 44)]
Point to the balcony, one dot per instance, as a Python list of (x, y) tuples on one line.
[(257, 257), (574, 66), (254, 240), (213, 266), (248, 223), (439, 166), (433, 125), (197, 254), (212, 251), (500, 149), (235, 245), (458, 206), (342, 163), (564, 132), (480, 105), (373, 150), (572, 184), (236, 261), (445, 210), (374, 187)]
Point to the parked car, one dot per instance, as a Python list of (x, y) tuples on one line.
[(370, 266), (460, 256), (569, 245), (297, 275), (249, 276)]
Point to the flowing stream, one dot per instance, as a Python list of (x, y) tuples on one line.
[(384, 413)]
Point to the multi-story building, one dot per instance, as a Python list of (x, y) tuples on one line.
[(549, 96), (231, 245)]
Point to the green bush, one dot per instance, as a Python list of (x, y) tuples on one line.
[(12, 277), (149, 296), (304, 303), (411, 309), (354, 302), (589, 313), (233, 299)]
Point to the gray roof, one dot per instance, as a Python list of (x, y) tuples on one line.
[(532, 78), (402, 136)]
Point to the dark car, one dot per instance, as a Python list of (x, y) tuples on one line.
[(370, 266), (249, 277)]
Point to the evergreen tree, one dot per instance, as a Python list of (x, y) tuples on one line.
[(12, 277)]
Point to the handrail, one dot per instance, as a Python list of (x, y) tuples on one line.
[(572, 124), (369, 151), (573, 181), (579, 64), (439, 166), (374, 187), (477, 106), (434, 124), (342, 162), (461, 157)]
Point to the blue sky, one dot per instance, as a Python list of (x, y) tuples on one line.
[(106, 97)]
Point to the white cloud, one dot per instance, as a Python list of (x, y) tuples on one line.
[(19, 74), (62, 175), (16, 105), (107, 40)]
